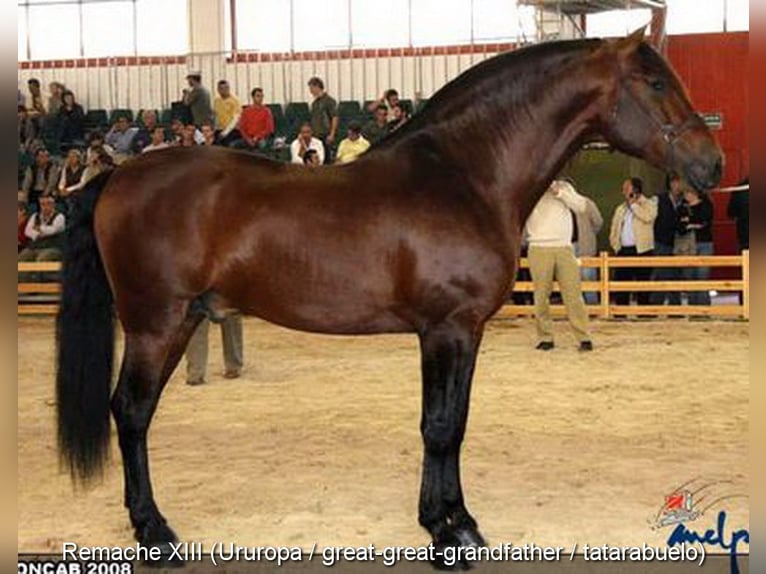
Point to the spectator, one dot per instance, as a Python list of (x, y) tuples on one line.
[(227, 111), (158, 140), (178, 129), (35, 111), (40, 178), (697, 216), (589, 223), (188, 136), (739, 210), (666, 230), (550, 231), (145, 133), (96, 143), (208, 134), (197, 97), (71, 178), (100, 160), (71, 122), (44, 231), (27, 131), (22, 98), (389, 100), (632, 234), (22, 225), (197, 350), (304, 142), (256, 124), (377, 128), (311, 158), (56, 99), (353, 146), (400, 118), (120, 138), (324, 117)]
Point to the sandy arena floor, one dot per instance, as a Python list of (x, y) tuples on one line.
[(319, 441)]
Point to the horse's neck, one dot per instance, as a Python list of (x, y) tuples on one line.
[(531, 140)]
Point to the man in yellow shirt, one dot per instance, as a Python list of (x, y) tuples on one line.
[(353, 146), (227, 110)]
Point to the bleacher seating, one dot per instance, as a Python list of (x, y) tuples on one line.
[(120, 112)]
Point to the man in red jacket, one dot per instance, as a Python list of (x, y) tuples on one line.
[(256, 124)]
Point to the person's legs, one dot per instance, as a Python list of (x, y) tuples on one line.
[(624, 274), (661, 274), (196, 354), (231, 335), (568, 275), (643, 274), (590, 274), (541, 265), (702, 274)]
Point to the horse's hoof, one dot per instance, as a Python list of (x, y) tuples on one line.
[(469, 536), (159, 535)]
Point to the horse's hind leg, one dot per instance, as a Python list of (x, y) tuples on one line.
[(448, 355), (148, 362)]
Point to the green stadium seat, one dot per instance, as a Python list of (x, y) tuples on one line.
[(349, 109), (165, 117), (297, 113), (96, 119), (280, 123)]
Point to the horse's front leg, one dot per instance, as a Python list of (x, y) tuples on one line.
[(448, 356)]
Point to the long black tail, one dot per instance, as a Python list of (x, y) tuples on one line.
[(85, 340)]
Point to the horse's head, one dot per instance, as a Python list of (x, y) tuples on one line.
[(650, 115)]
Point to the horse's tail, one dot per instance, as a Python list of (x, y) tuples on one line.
[(85, 341)]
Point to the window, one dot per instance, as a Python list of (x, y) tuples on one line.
[(108, 29), (320, 24), (59, 29), (440, 22), (380, 24), (54, 31)]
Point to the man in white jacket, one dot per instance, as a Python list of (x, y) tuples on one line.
[(549, 231)]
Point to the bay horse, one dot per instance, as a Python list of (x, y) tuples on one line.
[(420, 235)]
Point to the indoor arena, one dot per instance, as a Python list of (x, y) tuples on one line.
[(275, 249)]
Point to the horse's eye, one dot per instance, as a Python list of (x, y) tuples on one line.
[(657, 85)]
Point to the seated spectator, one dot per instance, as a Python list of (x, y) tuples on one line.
[(157, 141), (188, 136), (208, 134), (311, 158), (71, 176), (56, 99), (180, 131), (256, 124), (304, 142), (377, 128), (227, 111), (353, 146), (145, 132), (120, 138), (389, 100), (400, 118), (697, 217), (26, 129), (44, 230), (96, 142), (36, 110), (22, 224), (40, 178), (71, 122)]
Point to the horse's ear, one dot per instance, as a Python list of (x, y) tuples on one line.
[(632, 42)]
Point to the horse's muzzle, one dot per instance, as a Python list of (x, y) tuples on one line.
[(705, 172)]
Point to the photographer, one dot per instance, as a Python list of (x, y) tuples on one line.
[(632, 234)]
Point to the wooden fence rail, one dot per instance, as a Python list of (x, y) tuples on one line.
[(31, 292)]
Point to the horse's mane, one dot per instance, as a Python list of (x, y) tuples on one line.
[(503, 81)]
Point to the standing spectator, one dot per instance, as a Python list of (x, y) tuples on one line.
[(71, 122), (739, 210), (197, 350), (698, 218), (22, 225), (197, 97), (227, 111), (256, 124), (120, 138), (157, 141), (145, 133), (324, 117), (44, 230), (40, 178), (377, 127), (589, 223), (304, 142), (56, 99), (666, 228), (632, 234), (71, 178), (353, 146), (549, 231)]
